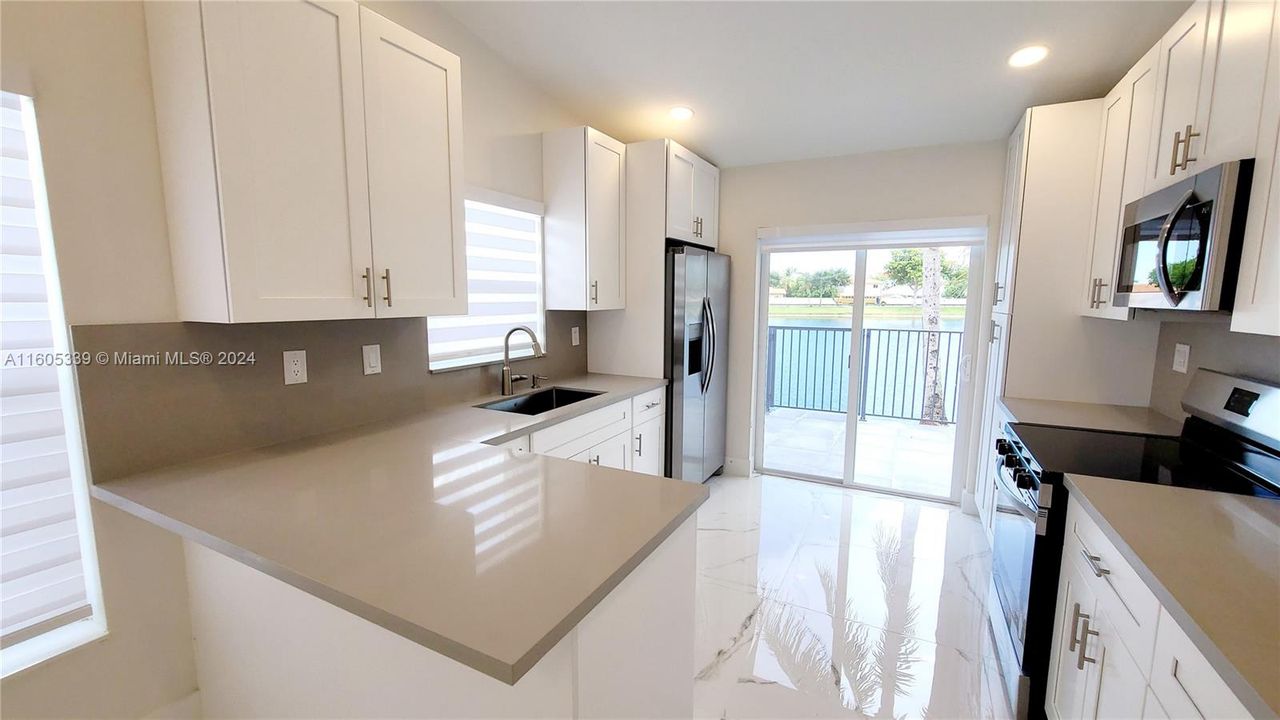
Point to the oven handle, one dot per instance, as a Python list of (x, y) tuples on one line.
[(1174, 296), (1005, 484)]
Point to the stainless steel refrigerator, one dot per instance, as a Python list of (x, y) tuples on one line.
[(697, 355)]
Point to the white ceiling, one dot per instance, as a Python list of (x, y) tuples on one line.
[(773, 81)]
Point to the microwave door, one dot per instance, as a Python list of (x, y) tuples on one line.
[(1183, 244)]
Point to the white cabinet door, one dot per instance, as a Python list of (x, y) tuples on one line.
[(706, 203), (613, 453), (1066, 697), (1011, 219), (1126, 114), (647, 447), (681, 164), (413, 116), (1231, 82), (1184, 681), (1257, 303), (1182, 52), (606, 189), (992, 422), (288, 120), (1118, 685)]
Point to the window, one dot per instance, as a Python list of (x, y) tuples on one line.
[(50, 599), (504, 287)]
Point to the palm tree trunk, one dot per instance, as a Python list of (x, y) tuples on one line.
[(934, 410)]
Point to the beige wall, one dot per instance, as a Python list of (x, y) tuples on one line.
[(86, 64), (1215, 347), (944, 181)]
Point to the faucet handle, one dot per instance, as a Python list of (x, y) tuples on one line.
[(538, 379)]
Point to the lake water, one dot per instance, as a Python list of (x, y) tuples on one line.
[(810, 356)]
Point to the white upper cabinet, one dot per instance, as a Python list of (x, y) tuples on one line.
[(261, 111), (1257, 303), (413, 116), (1126, 114), (584, 182), (693, 197), (1011, 219), (1208, 88)]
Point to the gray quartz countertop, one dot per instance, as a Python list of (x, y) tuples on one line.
[(1213, 561), (475, 552), (1091, 416)]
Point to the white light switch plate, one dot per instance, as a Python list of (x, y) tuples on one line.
[(295, 367), (1181, 354), (573, 336), (372, 359)]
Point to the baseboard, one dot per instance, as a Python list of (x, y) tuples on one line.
[(185, 708)]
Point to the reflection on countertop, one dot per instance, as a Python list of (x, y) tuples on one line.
[(478, 553)]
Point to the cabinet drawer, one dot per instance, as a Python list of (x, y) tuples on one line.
[(1184, 682), (577, 428), (649, 405), (612, 453), (1132, 607)]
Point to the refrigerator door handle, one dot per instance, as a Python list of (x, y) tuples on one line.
[(713, 338), (704, 381)]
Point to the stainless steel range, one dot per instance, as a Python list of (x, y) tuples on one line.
[(1231, 443)]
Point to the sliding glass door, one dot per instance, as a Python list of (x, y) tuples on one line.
[(864, 364)]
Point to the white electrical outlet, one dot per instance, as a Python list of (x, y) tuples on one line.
[(372, 359), (1181, 355), (573, 336), (295, 367)]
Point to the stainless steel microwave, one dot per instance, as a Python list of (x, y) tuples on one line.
[(1180, 247)]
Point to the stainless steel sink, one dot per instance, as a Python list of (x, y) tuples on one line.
[(540, 401)]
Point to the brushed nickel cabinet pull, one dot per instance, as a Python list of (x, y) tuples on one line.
[(1186, 149), (368, 286), (1173, 162), (1076, 617), (594, 461), (652, 405), (1101, 285), (1081, 658), (595, 292), (640, 445), (998, 293), (386, 277), (1094, 564)]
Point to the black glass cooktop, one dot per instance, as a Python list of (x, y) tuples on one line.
[(1205, 457)]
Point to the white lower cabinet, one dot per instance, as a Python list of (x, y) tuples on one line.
[(1103, 663), (612, 453), (646, 450)]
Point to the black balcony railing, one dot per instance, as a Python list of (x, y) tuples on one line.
[(808, 369)]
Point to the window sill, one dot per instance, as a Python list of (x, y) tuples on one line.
[(470, 364), (30, 654)]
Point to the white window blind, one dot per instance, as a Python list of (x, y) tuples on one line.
[(504, 289), (45, 541)]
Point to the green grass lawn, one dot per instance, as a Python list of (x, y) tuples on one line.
[(872, 311)]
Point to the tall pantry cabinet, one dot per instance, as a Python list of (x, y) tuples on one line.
[(312, 162)]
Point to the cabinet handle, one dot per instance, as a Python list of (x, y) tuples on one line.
[(1081, 658), (386, 277), (1173, 162), (594, 461), (1076, 617), (1101, 285), (640, 445), (995, 332), (998, 293), (652, 405), (1183, 688), (1186, 147), (368, 286), (1094, 560), (595, 292)]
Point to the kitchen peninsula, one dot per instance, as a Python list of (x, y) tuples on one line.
[(439, 575)]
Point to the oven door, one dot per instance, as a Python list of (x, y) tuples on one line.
[(1014, 532)]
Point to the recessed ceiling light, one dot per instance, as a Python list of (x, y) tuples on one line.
[(681, 112), (1027, 56)]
